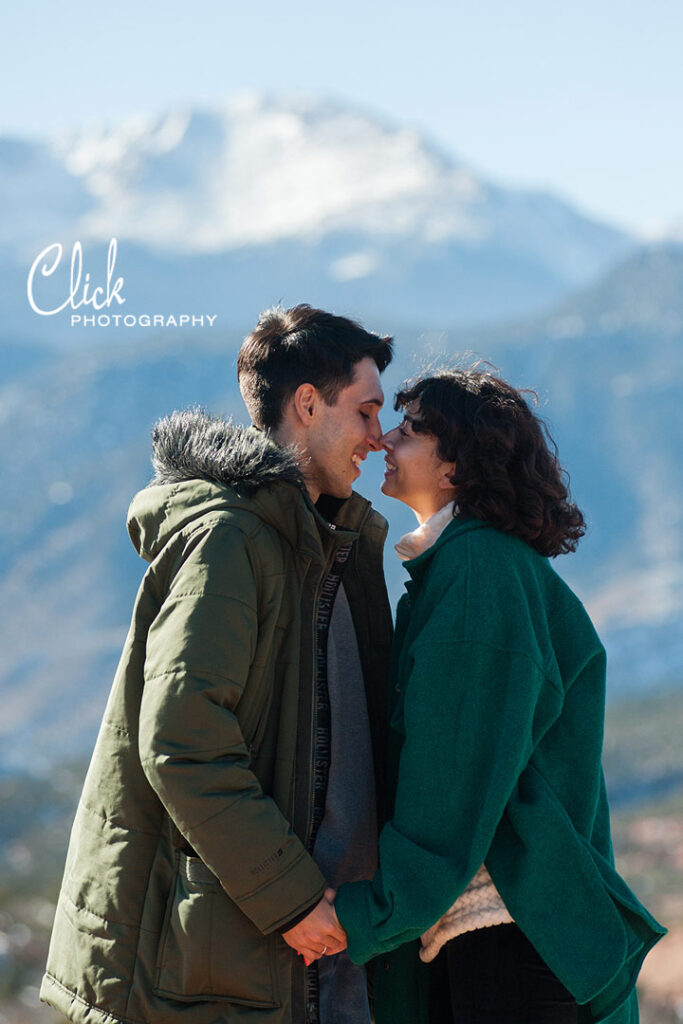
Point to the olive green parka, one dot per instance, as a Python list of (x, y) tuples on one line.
[(188, 854)]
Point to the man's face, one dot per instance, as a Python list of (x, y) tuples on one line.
[(342, 434)]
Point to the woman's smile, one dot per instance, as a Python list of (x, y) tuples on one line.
[(413, 472)]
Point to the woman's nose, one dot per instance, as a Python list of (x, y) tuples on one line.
[(387, 440)]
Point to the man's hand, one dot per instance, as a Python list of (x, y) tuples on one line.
[(318, 934)]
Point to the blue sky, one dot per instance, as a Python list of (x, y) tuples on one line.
[(585, 99)]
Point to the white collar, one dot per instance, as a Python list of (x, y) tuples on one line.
[(413, 544)]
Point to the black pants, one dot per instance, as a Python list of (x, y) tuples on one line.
[(495, 976)]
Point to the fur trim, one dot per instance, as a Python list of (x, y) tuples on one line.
[(190, 445)]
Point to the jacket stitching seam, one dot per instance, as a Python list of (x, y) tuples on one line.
[(224, 810), (204, 523), (185, 670), (91, 1006), (563, 615), (174, 596), (104, 920), (249, 535), (202, 526), (111, 821), (125, 733), (221, 523), (431, 643), (196, 750)]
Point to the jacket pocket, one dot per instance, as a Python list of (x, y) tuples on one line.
[(209, 950)]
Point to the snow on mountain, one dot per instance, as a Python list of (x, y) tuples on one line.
[(662, 232), (265, 199), (257, 171)]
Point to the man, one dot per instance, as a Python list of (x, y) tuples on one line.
[(233, 779)]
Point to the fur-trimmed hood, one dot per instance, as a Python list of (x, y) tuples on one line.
[(203, 464), (190, 445)]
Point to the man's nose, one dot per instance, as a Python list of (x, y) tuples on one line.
[(374, 438)]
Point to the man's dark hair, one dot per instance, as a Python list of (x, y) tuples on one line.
[(302, 345), (506, 466)]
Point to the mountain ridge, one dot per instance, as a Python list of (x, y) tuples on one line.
[(270, 192)]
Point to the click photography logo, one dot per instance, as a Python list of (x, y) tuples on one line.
[(53, 292)]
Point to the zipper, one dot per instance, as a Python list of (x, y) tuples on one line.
[(322, 576), (308, 835), (311, 987)]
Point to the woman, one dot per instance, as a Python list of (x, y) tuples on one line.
[(497, 859)]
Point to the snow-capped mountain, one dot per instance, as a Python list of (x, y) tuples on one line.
[(297, 197), (259, 170), (256, 172)]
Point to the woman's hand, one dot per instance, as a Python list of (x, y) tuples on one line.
[(319, 933)]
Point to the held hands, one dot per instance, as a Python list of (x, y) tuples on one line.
[(319, 933)]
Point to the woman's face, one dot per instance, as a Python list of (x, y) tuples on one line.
[(414, 472)]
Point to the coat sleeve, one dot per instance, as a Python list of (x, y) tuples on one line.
[(472, 715), (199, 652)]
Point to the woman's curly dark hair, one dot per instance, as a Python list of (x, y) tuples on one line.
[(506, 468)]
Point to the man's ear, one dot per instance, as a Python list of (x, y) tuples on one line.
[(304, 403)]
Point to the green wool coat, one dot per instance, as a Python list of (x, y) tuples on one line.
[(496, 737), (188, 855)]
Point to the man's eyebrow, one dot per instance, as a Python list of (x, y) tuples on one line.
[(379, 402)]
